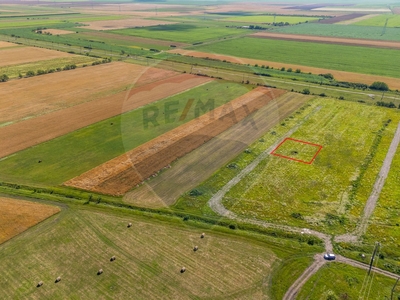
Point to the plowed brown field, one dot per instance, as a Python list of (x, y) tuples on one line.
[(118, 176), (6, 44), (327, 40), (21, 55), (394, 83), (34, 131), (17, 216), (31, 97)]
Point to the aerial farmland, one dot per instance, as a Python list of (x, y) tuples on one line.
[(199, 149)]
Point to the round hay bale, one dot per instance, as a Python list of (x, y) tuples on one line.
[(195, 248), (100, 272), (58, 279), (129, 225), (40, 283), (183, 270), (112, 258), (202, 235)]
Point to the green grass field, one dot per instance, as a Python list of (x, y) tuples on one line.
[(13, 71), (77, 152), (319, 195), (76, 243), (185, 33), (339, 281), (346, 31), (386, 218), (271, 19), (336, 57), (379, 21)]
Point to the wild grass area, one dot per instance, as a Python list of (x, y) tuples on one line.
[(340, 281), (271, 19), (380, 21), (75, 244), (71, 155), (14, 71), (337, 57), (344, 31), (385, 222), (323, 195), (185, 33)]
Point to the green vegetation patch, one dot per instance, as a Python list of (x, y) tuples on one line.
[(337, 57), (185, 33), (15, 70), (380, 21), (270, 19), (322, 194), (346, 31), (71, 155), (340, 281)]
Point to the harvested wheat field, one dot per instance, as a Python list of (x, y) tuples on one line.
[(195, 167), (327, 40), (133, 39), (394, 83), (44, 94), (17, 216), (7, 44), (57, 31), (20, 55), (34, 131), (126, 23), (118, 176)]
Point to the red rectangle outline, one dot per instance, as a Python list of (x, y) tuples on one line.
[(294, 159)]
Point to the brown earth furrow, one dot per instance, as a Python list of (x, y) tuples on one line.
[(341, 18), (118, 176), (7, 44), (31, 132), (394, 83), (327, 40), (39, 95)]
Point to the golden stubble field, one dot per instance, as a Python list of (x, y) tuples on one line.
[(17, 216)]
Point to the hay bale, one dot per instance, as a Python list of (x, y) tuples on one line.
[(129, 225), (183, 270), (40, 283), (58, 279), (195, 248), (100, 272), (202, 235), (112, 258)]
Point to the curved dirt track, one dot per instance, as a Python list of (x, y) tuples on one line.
[(327, 40), (394, 83)]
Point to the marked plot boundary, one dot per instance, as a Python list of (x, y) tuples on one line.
[(319, 148)]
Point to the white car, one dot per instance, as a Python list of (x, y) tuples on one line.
[(329, 256)]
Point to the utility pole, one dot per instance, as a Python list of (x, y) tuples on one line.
[(376, 250), (391, 296)]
